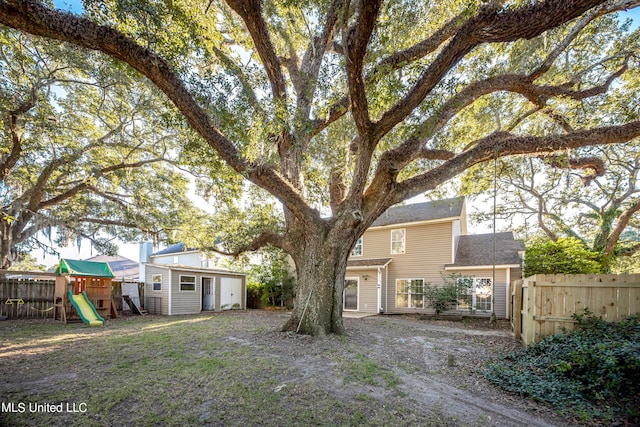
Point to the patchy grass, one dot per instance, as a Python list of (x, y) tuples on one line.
[(367, 371), (226, 369)]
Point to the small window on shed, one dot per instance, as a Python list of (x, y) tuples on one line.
[(156, 281), (187, 283)]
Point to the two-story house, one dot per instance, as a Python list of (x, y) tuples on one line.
[(409, 246)]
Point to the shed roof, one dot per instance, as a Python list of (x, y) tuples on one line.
[(192, 269), (478, 250), (74, 267), (427, 211)]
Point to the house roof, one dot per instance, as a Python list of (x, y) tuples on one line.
[(193, 269), (478, 250), (368, 263), (123, 268), (173, 249), (427, 211), (77, 268)]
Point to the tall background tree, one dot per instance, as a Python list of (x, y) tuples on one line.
[(589, 193), (601, 208), (86, 151), (341, 109)]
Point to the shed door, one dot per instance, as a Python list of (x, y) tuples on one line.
[(207, 293), (230, 293)]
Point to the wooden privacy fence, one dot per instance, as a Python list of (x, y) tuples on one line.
[(30, 295), (27, 297), (544, 304)]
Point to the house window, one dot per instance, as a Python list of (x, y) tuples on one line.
[(156, 281), (187, 283), (398, 241), (410, 293), (357, 249), (474, 293)]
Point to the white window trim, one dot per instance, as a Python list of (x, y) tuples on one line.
[(195, 283), (361, 240), (473, 293), (213, 291), (153, 276), (404, 241), (409, 293)]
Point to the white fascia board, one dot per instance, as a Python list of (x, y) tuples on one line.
[(412, 224), (480, 267)]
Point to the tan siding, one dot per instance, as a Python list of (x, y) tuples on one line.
[(150, 271), (367, 289), (185, 302), (428, 249), (516, 274)]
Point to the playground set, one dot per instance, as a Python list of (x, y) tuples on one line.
[(90, 298)]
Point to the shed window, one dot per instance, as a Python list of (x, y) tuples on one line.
[(156, 281), (187, 283)]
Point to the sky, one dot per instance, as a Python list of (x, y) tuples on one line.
[(75, 6), (131, 251)]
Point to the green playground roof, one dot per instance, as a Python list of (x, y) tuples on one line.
[(74, 267)]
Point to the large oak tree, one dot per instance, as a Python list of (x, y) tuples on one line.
[(350, 102)]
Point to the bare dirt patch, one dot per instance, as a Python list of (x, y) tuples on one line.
[(237, 368)]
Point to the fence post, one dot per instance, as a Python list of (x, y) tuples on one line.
[(516, 309)]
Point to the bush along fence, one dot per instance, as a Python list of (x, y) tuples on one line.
[(25, 295), (544, 304)]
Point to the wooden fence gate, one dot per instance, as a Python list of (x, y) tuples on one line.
[(544, 304)]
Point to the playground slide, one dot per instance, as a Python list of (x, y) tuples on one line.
[(86, 310)]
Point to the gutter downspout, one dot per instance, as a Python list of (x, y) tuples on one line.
[(170, 290), (386, 289)]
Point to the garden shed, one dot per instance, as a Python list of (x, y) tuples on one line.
[(178, 289)]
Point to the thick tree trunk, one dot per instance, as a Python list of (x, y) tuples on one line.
[(320, 268), (6, 245)]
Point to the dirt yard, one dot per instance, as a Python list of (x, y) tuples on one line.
[(237, 368)]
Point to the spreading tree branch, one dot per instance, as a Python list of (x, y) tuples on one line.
[(32, 17), (501, 144)]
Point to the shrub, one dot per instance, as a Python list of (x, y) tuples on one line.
[(445, 297), (270, 282), (591, 371), (564, 256)]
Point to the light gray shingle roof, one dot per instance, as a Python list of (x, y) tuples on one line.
[(426, 211), (478, 250), (375, 262), (173, 249)]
